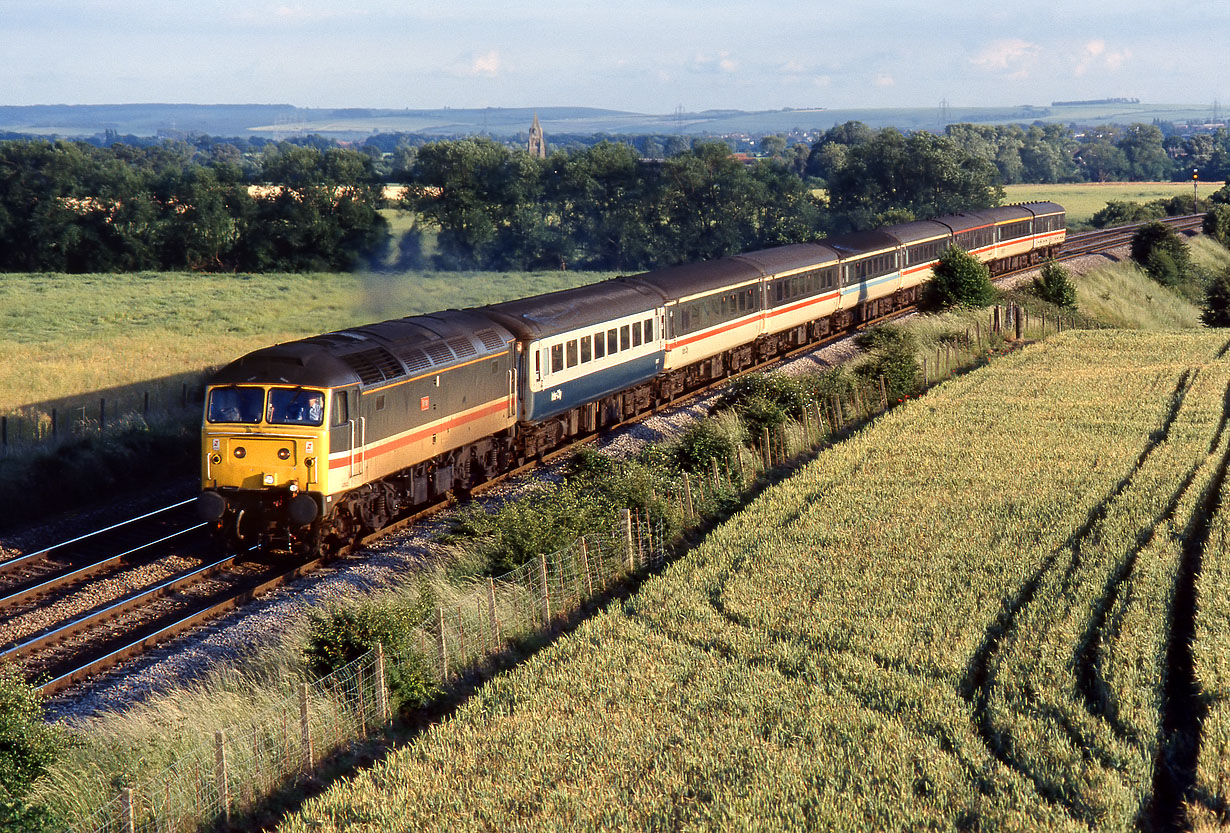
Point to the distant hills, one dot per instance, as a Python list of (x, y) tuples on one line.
[(283, 120)]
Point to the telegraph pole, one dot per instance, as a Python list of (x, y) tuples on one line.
[(1195, 194)]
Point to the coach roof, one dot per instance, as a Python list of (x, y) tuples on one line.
[(568, 309)]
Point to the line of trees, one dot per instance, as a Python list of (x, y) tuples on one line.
[(478, 203), (72, 207)]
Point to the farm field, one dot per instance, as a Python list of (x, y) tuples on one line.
[(67, 335), (962, 616), (1083, 199)]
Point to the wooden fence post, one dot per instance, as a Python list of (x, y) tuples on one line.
[(305, 725), (625, 520), (128, 820), (382, 691), (589, 579), (1018, 322), (495, 622), (765, 450), (546, 591), (442, 647), (883, 393), (220, 776), (687, 495)]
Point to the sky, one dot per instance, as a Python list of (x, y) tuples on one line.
[(647, 57)]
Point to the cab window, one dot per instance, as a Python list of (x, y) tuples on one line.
[(341, 409), (236, 404), (296, 406)]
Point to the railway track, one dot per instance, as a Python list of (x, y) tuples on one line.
[(1092, 242), (188, 587)]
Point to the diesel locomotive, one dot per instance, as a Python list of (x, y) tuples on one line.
[(312, 443)]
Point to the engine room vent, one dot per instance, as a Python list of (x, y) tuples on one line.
[(374, 366), (463, 347), (491, 340), (414, 359), (439, 352)]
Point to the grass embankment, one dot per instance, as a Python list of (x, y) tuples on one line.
[(1084, 199), (71, 335), (959, 617)]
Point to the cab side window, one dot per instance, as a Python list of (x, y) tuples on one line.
[(341, 409)]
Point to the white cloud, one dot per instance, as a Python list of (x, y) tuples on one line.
[(884, 80), (1094, 55), (1012, 56), (486, 65), (722, 62)]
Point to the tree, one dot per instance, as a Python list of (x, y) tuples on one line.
[(1103, 162), (480, 193), (1147, 159), (1121, 212), (603, 197), (1217, 223), (1157, 248), (1217, 301), (922, 174), (960, 280), (1054, 284)]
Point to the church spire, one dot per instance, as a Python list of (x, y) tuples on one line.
[(538, 141)]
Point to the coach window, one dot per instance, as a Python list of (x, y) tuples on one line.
[(636, 334), (572, 353), (648, 330), (599, 345), (612, 342), (586, 352), (557, 358), (538, 364), (625, 337)]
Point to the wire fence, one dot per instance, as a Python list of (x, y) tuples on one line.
[(226, 777), (39, 426)]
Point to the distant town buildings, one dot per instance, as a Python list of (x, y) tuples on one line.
[(538, 141)]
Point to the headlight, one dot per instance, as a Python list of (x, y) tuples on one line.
[(240, 452), (283, 453)]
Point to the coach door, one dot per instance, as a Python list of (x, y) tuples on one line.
[(346, 432)]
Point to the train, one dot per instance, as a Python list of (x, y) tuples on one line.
[(311, 444)]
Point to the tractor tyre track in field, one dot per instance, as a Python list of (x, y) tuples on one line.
[(979, 680), (1183, 708), (1087, 660)]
